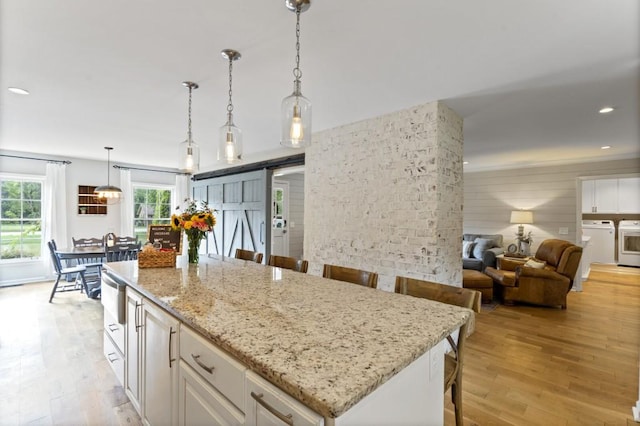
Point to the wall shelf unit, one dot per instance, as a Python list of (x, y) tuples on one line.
[(88, 204)]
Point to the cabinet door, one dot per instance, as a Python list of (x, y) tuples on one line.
[(606, 196), (629, 195), (588, 186), (200, 404), (269, 406), (133, 338), (159, 366)]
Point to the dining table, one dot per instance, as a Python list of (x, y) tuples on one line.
[(80, 253)]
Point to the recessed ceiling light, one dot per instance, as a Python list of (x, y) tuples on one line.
[(606, 110), (465, 162), (605, 147), (18, 91)]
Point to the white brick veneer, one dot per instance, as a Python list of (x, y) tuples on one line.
[(386, 195)]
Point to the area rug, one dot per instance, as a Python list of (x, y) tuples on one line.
[(488, 307)]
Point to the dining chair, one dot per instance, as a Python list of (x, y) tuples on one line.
[(350, 275), (126, 240), (288, 263), (122, 252), (87, 242), (79, 283), (249, 255), (451, 295)]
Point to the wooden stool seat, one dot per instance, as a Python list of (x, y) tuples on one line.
[(476, 280)]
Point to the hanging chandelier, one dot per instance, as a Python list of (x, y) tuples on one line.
[(296, 109), (107, 193), (230, 145), (189, 150)]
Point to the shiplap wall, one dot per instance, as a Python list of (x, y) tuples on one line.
[(296, 213), (550, 192)]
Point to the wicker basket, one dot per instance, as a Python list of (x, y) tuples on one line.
[(157, 259)]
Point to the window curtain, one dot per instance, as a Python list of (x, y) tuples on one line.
[(54, 209), (126, 208)]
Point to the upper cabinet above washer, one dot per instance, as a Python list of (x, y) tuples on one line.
[(611, 195)]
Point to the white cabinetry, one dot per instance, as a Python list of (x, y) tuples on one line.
[(600, 196), (611, 195), (269, 406), (151, 363), (629, 195), (211, 389), (133, 342)]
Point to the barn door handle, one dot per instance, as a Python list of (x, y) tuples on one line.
[(261, 226)]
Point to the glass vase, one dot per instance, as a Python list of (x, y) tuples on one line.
[(194, 245)]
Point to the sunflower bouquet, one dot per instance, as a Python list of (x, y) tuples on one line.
[(196, 219)]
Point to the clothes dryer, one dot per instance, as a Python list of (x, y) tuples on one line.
[(629, 243), (603, 240)]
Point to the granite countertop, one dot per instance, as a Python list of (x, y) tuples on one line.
[(326, 343)]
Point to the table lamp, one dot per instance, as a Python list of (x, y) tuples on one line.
[(521, 217)]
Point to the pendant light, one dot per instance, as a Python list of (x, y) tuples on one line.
[(189, 150), (230, 145), (296, 109), (108, 193)]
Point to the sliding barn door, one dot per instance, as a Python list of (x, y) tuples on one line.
[(242, 202)]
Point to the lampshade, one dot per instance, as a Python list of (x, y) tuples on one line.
[(521, 216), (189, 151), (296, 109), (108, 193), (230, 139)]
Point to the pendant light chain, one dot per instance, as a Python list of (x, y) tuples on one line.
[(296, 71), (230, 104), (189, 124)]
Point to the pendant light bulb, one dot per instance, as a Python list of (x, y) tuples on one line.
[(296, 109), (189, 151), (230, 142), (296, 132)]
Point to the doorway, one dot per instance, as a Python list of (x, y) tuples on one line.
[(279, 218), (287, 212)]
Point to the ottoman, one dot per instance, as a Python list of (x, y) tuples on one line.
[(476, 280)]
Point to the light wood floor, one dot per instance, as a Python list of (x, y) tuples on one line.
[(525, 365), (529, 365), (52, 370)]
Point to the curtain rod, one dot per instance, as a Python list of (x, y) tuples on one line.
[(116, 166), (38, 159)]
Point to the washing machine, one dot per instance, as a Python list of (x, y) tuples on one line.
[(629, 243), (603, 240)]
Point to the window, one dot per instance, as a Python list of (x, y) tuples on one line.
[(20, 218), (151, 205)]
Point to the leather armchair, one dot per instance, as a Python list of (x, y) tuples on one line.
[(547, 286)]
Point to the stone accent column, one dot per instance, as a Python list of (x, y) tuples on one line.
[(385, 195)]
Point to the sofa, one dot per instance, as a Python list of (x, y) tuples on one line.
[(543, 280), (481, 250)]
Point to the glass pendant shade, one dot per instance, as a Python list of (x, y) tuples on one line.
[(230, 145), (296, 121), (189, 157)]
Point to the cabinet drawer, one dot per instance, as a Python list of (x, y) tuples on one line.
[(114, 330), (114, 357), (268, 405), (216, 367)]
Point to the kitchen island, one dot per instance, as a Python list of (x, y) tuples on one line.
[(330, 345)]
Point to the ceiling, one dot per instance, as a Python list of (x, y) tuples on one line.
[(527, 77)]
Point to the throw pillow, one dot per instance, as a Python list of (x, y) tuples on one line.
[(467, 246), (482, 245), (532, 263)]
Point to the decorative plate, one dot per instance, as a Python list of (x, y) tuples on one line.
[(512, 248)]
